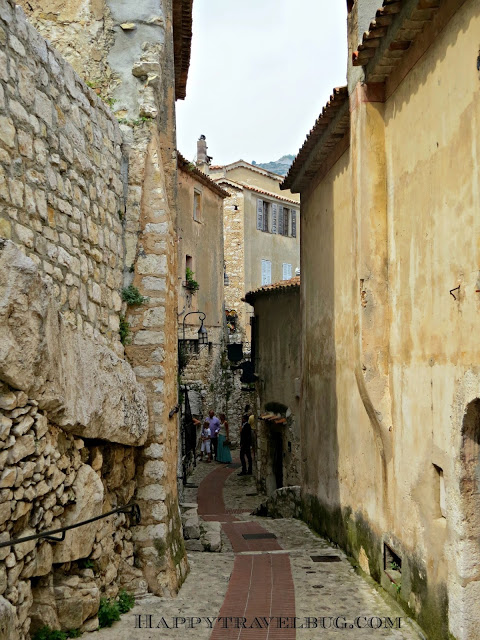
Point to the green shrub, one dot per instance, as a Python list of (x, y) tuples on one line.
[(124, 330), (126, 601), (191, 283), (132, 296), (45, 633), (108, 612)]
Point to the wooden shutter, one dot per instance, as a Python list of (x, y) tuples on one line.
[(266, 272), (274, 218), (260, 214), (286, 271), (294, 224), (286, 219), (280, 219)]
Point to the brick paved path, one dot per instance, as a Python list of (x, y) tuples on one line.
[(270, 577), (261, 584)]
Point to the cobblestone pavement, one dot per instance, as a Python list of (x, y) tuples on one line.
[(270, 577)]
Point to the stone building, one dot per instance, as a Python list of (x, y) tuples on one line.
[(200, 251), (276, 354), (390, 420), (261, 234), (88, 383)]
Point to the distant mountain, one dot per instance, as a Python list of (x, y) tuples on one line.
[(280, 166)]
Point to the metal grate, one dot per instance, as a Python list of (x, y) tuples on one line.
[(326, 558), (258, 536)]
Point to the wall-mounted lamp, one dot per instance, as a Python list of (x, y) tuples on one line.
[(202, 332)]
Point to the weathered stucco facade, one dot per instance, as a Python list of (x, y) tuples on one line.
[(276, 340), (248, 247), (389, 259), (87, 208), (200, 249)]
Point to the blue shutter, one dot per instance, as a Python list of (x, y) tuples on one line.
[(280, 219), (260, 215)]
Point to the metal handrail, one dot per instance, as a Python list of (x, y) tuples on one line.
[(132, 507)]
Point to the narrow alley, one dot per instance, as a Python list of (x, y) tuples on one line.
[(266, 574)]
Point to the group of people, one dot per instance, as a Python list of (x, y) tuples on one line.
[(215, 439)]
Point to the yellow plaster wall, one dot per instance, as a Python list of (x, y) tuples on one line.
[(344, 468), (203, 240)]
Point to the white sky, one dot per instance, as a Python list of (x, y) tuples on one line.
[(260, 73)]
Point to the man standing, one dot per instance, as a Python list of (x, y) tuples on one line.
[(245, 447), (214, 423)]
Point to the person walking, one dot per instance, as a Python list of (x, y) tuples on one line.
[(214, 424), (223, 454), (245, 447)]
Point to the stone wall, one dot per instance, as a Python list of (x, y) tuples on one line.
[(61, 185), (51, 479), (70, 227), (234, 248), (124, 50)]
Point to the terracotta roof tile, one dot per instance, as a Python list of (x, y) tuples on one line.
[(337, 100), (251, 187), (182, 44), (283, 285), (396, 25)]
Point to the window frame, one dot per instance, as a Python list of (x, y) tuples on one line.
[(197, 210)]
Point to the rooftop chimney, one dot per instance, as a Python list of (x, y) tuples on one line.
[(203, 159)]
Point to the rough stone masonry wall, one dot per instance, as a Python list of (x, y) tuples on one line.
[(233, 232), (61, 189), (125, 52), (51, 479)]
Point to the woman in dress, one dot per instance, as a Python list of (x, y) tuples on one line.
[(223, 454)]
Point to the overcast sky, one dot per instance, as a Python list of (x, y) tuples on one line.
[(260, 73)]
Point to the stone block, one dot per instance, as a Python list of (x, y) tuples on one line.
[(92, 391), (79, 542), (8, 621), (210, 536)]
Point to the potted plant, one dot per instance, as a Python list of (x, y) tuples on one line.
[(190, 283)]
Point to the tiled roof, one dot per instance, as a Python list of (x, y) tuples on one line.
[(251, 187), (189, 167), (396, 25), (276, 287), (247, 165), (182, 44), (331, 125)]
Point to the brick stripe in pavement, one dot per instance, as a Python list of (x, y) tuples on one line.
[(261, 585)]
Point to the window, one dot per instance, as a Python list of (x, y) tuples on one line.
[(266, 272), (294, 223), (441, 505), (286, 271), (197, 205), (265, 216), (283, 221)]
